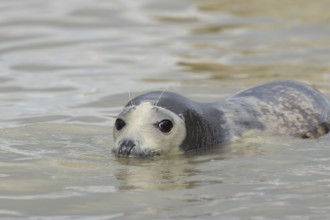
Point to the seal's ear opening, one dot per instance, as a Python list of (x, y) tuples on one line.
[(181, 116)]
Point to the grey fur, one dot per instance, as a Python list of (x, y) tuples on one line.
[(279, 108)]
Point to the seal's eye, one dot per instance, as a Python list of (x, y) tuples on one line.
[(119, 124), (165, 126)]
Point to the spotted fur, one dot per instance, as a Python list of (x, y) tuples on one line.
[(277, 108)]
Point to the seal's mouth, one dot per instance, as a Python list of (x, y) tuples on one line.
[(136, 152), (128, 148)]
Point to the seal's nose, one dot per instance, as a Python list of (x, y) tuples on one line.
[(125, 147)]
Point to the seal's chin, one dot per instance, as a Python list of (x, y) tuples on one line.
[(135, 152)]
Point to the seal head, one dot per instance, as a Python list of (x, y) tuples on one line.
[(158, 123), (144, 129)]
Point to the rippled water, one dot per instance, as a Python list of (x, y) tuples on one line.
[(67, 68)]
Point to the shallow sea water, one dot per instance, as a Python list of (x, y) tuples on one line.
[(68, 67)]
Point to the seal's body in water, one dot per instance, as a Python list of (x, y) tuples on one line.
[(159, 123)]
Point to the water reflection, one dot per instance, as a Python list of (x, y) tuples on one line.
[(161, 174), (186, 171), (254, 74), (255, 41)]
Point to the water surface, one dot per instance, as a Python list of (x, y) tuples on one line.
[(68, 67)]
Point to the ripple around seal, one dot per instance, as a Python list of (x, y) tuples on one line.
[(92, 189), (56, 195), (64, 217)]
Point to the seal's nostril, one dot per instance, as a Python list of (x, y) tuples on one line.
[(125, 147)]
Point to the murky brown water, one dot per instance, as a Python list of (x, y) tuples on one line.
[(67, 68)]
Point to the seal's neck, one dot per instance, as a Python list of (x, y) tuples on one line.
[(211, 125), (205, 128)]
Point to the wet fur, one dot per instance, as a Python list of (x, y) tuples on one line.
[(277, 108), (288, 108)]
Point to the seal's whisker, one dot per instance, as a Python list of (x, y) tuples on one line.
[(160, 96), (130, 97)]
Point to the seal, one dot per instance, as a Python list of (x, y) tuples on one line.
[(157, 123)]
